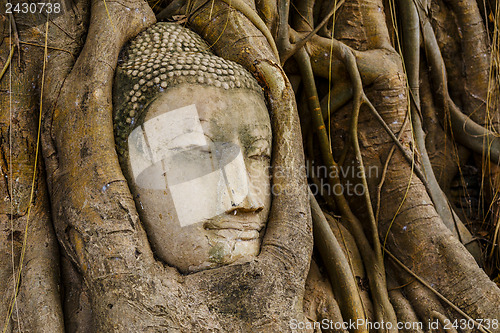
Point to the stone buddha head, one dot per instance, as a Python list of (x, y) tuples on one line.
[(193, 136)]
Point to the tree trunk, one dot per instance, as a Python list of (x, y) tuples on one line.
[(75, 257)]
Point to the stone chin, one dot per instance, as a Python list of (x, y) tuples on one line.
[(228, 249), (194, 248)]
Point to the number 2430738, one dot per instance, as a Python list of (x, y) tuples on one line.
[(33, 8)]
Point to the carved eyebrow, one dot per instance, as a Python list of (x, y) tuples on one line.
[(259, 126), (259, 138), (256, 132), (259, 147), (252, 128)]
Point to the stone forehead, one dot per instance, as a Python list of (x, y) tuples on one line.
[(164, 55)]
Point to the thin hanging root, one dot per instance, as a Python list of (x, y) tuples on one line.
[(305, 9), (443, 320), (109, 15), (49, 47), (15, 34), (240, 6), (375, 269), (415, 168), (386, 167), (352, 68), (495, 240), (253, 17), (339, 270), (479, 326), (346, 95), (339, 50), (358, 98), (447, 215), (297, 46), (465, 130), (411, 56), (33, 183), (7, 63)]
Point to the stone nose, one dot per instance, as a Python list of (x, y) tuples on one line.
[(250, 204)]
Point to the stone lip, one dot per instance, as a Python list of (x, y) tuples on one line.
[(223, 222), (242, 226)]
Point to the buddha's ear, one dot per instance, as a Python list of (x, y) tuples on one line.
[(288, 239), (93, 211)]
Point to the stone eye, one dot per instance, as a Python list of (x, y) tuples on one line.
[(259, 149)]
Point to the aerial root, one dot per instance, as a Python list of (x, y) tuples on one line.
[(372, 257)]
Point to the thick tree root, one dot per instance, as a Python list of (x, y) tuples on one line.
[(467, 132), (411, 50), (338, 268), (371, 256)]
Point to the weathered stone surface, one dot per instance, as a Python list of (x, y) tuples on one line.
[(194, 139), (165, 55)]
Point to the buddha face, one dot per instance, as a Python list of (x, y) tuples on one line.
[(198, 168)]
